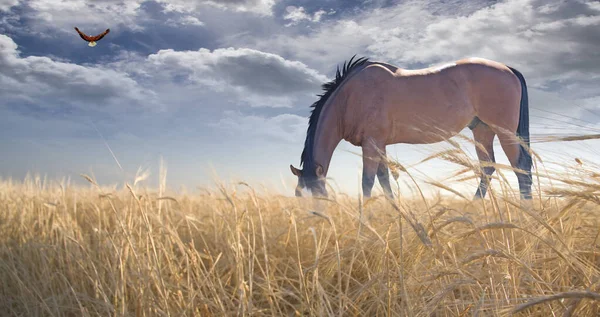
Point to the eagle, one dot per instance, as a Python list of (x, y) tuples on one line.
[(92, 39)]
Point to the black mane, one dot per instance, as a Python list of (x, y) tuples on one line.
[(329, 88)]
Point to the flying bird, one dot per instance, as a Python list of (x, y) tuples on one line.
[(92, 39)]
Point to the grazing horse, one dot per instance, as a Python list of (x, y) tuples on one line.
[(373, 104)]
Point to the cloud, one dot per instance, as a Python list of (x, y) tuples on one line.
[(333, 43), (297, 14), (185, 20), (260, 7), (43, 83), (253, 75), (284, 127), (41, 16), (65, 14), (5, 5), (217, 80)]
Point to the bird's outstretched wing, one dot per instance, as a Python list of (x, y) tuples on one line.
[(92, 38)]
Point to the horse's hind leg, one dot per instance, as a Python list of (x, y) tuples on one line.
[(484, 135), (383, 176), (515, 153)]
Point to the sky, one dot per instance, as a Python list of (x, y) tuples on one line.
[(224, 88)]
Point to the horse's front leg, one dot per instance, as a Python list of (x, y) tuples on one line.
[(371, 160)]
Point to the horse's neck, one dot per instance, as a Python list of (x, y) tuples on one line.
[(328, 135)]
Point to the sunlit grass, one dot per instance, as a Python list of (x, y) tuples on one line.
[(230, 251)]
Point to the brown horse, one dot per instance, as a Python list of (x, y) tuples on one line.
[(373, 104)]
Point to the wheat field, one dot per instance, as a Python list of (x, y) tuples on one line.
[(231, 250)]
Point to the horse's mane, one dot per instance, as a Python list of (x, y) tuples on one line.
[(328, 88)]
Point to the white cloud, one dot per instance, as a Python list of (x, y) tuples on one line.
[(39, 81), (261, 7), (187, 20), (257, 78), (183, 20), (167, 79), (285, 127), (66, 14), (298, 14), (332, 44)]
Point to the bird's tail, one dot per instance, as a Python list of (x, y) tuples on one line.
[(92, 44)]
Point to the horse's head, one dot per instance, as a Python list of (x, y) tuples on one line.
[(314, 181)]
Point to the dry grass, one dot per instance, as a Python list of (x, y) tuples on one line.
[(76, 251)]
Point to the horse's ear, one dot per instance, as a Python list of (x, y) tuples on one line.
[(319, 170), (295, 171)]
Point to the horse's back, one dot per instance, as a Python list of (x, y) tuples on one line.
[(482, 62), (475, 65)]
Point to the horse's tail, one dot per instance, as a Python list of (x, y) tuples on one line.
[(525, 161), (523, 128)]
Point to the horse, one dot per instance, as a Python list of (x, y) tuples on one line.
[(373, 104)]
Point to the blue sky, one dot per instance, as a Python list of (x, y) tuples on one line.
[(228, 84)]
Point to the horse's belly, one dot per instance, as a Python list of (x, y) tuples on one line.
[(422, 129), (420, 137)]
